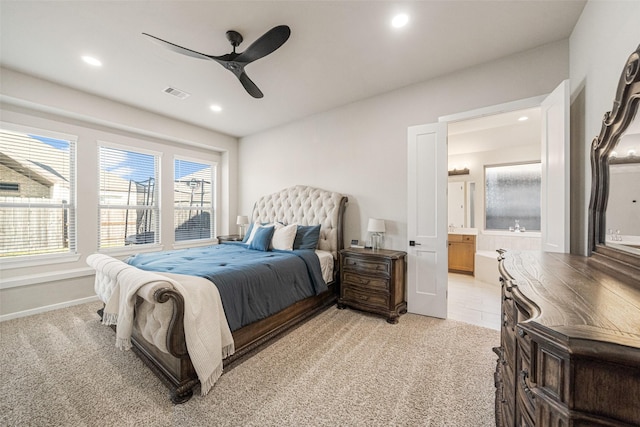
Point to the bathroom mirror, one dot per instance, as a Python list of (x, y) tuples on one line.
[(614, 210), (461, 204)]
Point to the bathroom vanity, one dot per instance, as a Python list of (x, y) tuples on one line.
[(462, 251)]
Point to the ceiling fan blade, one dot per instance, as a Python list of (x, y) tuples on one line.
[(178, 49), (270, 41), (250, 86)]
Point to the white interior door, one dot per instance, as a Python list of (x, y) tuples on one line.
[(555, 170), (427, 220)]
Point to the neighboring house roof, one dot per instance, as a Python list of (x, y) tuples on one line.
[(20, 168), (15, 157)]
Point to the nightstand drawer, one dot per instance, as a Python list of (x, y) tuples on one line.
[(366, 265), (373, 299), (367, 282)]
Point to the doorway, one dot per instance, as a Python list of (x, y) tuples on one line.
[(508, 138), (427, 279)]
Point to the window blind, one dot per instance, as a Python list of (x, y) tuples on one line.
[(37, 193), (193, 200), (128, 209)]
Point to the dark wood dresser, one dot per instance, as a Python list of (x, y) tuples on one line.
[(570, 344), (373, 281)]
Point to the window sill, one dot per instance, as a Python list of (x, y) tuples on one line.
[(37, 260), (193, 243), (131, 250), (511, 233)]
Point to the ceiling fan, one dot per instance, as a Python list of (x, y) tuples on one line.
[(235, 62)]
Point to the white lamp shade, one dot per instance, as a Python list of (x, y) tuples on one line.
[(242, 220), (376, 225)]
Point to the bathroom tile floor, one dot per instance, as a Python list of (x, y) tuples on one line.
[(474, 301)]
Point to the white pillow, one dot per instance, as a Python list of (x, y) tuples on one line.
[(283, 237)]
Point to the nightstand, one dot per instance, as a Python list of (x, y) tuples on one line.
[(373, 281), (229, 238)]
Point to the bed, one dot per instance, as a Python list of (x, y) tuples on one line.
[(293, 298)]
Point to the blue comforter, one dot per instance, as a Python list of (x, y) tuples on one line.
[(253, 284)]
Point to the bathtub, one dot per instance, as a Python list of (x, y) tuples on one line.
[(486, 257)]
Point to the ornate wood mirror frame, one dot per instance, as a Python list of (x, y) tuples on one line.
[(614, 124)]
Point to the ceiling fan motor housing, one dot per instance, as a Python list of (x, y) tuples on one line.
[(234, 37)]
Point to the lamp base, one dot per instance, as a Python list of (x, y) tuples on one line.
[(376, 241)]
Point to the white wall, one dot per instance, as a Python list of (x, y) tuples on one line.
[(360, 149), (602, 40), (28, 101)]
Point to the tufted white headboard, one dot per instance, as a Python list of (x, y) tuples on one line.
[(305, 205)]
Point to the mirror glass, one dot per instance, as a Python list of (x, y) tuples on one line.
[(461, 200), (623, 207)]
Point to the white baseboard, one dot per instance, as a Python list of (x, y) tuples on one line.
[(46, 308)]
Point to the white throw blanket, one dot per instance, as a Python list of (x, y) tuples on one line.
[(206, 330)]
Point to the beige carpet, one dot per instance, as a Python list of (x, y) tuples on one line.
[(340, 368)]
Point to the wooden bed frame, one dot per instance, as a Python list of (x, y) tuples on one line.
[(175, 369)]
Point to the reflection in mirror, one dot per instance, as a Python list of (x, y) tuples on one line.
[(614, 214), (471, 204), (461, 208), (623, 207)]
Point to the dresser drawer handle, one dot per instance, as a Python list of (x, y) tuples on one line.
[(524, 374), (363, 297)]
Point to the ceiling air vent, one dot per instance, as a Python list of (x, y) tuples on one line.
[(176, 92)]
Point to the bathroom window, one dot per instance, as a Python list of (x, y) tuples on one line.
[(512, 197)]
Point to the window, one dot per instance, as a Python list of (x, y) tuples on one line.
[(37, 193), (193, 200), (512, 193), (129, 210)]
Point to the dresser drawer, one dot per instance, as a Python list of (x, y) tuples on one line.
[(372, 299), (369, 265), (368, 282)]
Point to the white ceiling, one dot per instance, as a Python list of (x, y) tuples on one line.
[(339, 51), (494, 132)]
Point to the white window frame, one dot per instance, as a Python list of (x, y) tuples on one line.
[(23, 261), (128, 249), (213, 211)]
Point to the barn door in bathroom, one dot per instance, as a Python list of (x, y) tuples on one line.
[(427, 250)]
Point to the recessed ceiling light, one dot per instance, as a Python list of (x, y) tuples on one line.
[(400, 20), (523, 119), (92, 61), (216, 108)]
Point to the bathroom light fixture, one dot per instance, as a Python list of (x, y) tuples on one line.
[(376, 228), (456, 171), (242, 221), (400, 20), (92, 61)]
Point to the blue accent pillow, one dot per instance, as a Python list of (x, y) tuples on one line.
[(307, 237), (262, 238)]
